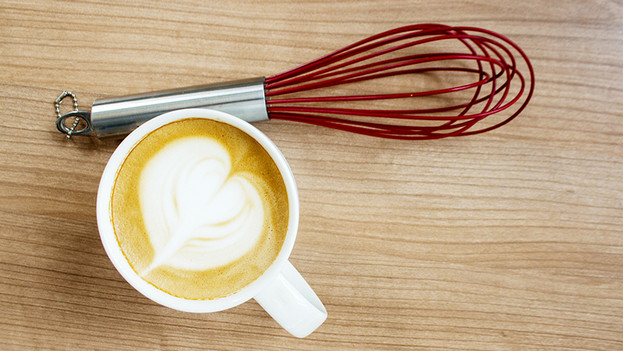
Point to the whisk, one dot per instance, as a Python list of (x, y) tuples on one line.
[(449, 81)]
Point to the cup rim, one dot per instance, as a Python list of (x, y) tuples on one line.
[(109, 239)]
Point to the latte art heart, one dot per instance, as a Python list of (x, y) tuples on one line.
[(197, 214), (200, 209)]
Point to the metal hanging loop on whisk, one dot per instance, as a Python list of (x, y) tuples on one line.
[(75, 114), (501, 84)]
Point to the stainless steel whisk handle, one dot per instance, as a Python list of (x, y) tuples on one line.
[(120, 115)]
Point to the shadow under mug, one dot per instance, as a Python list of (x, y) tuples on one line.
[(280, 290)]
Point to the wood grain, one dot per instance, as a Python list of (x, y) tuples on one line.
[(510, 240)]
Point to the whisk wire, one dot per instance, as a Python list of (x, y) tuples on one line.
[(371, 59)]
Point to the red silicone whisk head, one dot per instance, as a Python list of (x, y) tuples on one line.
[(441, 81)]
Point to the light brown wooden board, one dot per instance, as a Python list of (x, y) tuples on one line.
[(510, 240)]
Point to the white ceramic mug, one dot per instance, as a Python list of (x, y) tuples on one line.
[(280, 290)]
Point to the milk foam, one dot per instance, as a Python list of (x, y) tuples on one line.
[(197, 215)]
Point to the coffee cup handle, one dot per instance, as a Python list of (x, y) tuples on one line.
[(292, 303)]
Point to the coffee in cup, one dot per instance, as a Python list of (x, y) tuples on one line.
[(198, 210)]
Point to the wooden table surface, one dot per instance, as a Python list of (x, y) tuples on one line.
[(510, 240)]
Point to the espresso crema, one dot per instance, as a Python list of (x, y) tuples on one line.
[(199, 209)]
